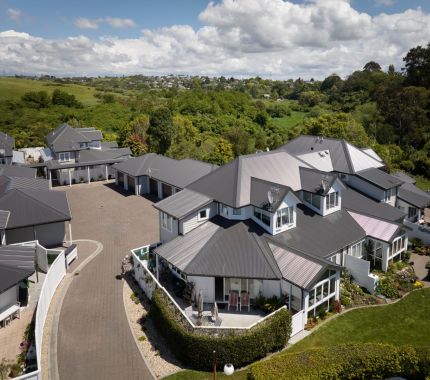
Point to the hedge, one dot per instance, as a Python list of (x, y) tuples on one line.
[(195, 350), (352, 361)]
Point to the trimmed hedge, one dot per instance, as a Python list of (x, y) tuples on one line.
[(352, 361), (195, 350)]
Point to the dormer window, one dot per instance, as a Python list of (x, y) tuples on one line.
[(83, 145), (64, 157), (284, 217), (203, 214), (388, 194), (332, 200)]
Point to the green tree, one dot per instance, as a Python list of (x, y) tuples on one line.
[(417, 66), (137, 144), (35, 99), (160, 131), (372, 66), (138, 126), (331, 81), (62, 98), (311, 98), (222, 152)]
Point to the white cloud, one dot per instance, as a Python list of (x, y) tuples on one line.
[(386, 3), (273, 38), (14, 14), (115, 22), (85, 23)]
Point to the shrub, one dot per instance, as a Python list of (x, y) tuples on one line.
[(134, 297), (388, 288), (195, 349), (345, 301), (416, 243), (141, 338), (354, 361)]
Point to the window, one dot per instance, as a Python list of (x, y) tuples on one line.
[(312, 199), (357, 250), (166, 222), (262, 215), (224, 210), (203, 214), (332, 200), (412, 212), (284, 217), (388, 194), (397, 245), (311, 297), (83, 145), (64, 156), (237, 211)]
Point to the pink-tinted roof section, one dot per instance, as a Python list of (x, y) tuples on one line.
[(376, 228)]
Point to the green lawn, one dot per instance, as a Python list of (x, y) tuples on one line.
[(197, 375), (14, 88), (423, 183), (288, 122), (405, 322)]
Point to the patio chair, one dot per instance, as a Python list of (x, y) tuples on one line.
[(244, 300), (233, 300)]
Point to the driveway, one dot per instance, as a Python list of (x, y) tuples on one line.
[(94, 337)]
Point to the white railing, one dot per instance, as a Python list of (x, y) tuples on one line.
[(298, 322), (148, 283), (54, 276)]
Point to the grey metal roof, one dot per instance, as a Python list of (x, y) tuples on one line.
[(260, 190), (379, 178), (4, 219), (355, 201), (231, 183), (411, 194), (109, 144), (345, 157), (179, 173), (298, 269), (17, 171), (225, 248), (91, 134), (183, 203), (16, 264), (312, 181), (320, 236), (404, 177), (9, 183), (7, 143), (65, 138)]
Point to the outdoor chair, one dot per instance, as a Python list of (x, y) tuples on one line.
[(244, 300), (233, 300)]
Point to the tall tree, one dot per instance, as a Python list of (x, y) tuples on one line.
[(372, 66), (160, 131), (417, 66)]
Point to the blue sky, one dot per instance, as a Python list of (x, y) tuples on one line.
[(270, 38)]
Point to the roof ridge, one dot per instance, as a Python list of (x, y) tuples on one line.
[(238, 180), (258, 243), (347, 155)]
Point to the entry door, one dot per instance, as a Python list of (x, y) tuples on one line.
[(219, 289)]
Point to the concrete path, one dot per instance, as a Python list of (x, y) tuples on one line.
[(94, 337), (419, 267)]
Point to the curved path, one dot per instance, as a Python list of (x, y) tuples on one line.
[(94, 339)]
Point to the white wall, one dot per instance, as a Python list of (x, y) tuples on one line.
[(47, 234), (271, 288), (166, 235), (227, 212), (191, 221), (360, 271), (9, 297), (206, 285), (337, 187), (369, 189)]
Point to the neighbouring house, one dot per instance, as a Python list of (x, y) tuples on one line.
[(76, 155), (285, 222), (8, 155), (31, 210), (159, 175)]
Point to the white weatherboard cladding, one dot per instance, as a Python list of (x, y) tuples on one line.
[(361, 161), (9, 297), (192, 221), (277, 167), (204, 284), (366, 188), (319, 160), (166, 235)]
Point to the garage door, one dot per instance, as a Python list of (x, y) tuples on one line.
[(131, 185), (153, 187), (121, 179), (167, 190)]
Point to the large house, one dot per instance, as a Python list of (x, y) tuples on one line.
[(30, 210), (159, 175), (8, 155), (285, 222), (77, 155)]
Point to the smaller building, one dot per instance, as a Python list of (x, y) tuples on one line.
[(8, 155), (159, 175), (76, 155)]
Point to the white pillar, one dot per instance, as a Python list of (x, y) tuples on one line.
[(106, 171), (70, 232), (70, 177), (160, 189), (88, 174), (136, 185), (50, 179)]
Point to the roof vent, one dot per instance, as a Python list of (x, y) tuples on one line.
[(321, 154)]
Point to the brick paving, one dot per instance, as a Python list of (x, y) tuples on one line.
[(94, 338)]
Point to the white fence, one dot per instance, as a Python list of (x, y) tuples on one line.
[(418, 231), (298, 321), (54, 276)]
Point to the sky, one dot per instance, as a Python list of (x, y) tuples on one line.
[(277, 39)]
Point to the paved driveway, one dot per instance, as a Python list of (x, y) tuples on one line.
[(94, 338)]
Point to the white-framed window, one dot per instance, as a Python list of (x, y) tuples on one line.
[(312, 199), (237, 211), (203, 214), (284, 217), (166, 222), (388, 194), (332, 200), (412, 212), (64, 157), (357, 249), (397, 245), (262, 215), (224, 209), (83, 145)]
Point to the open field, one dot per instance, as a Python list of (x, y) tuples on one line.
[(288, 122), (14, 88)]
